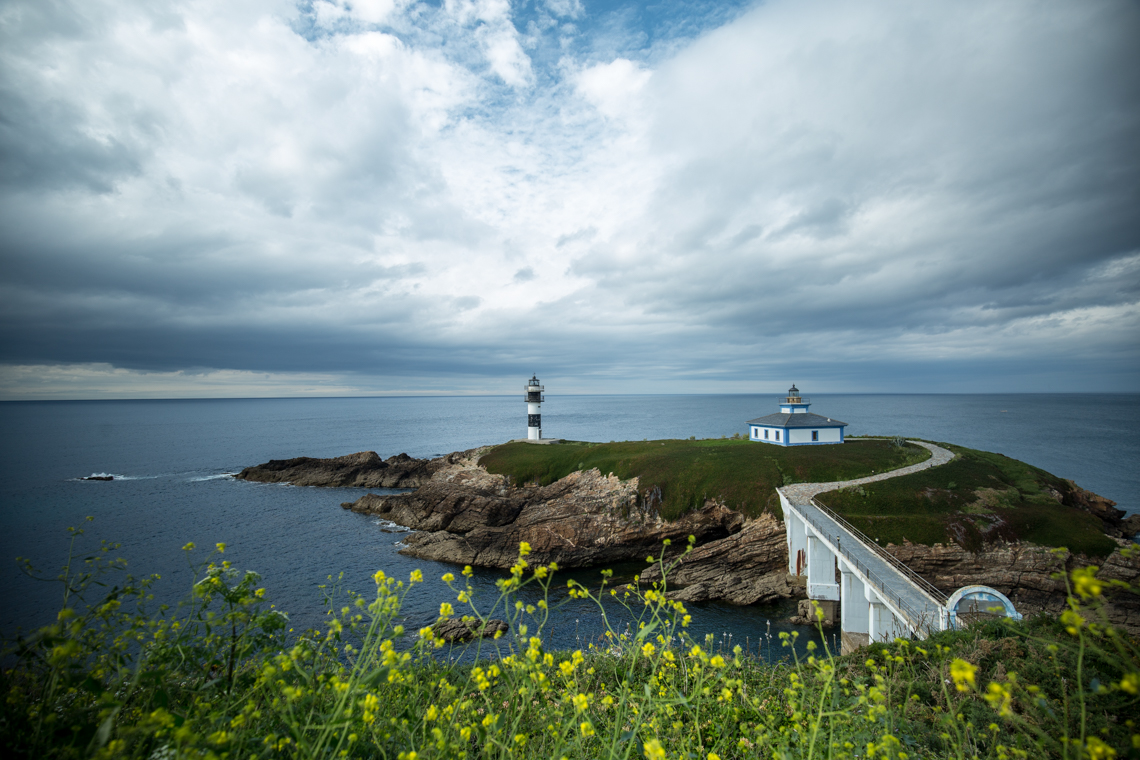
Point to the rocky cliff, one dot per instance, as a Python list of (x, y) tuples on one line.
[(365, 469), (747, 567), (471, 517)]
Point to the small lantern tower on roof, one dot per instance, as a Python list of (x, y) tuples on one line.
[(794, 403), (534, 399)]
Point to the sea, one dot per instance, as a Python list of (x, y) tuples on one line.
[(172, 461)]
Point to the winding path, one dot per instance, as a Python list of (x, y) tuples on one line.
[(916, 600), (802, 493)]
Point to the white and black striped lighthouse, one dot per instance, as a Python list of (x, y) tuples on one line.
[(534, 399)]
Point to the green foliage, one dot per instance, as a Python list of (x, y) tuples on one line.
[(977, 498), (740, 473), (220, 677)]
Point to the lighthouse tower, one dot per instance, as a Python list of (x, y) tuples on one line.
[(534, 399)]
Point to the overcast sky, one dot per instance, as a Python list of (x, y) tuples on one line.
[(272, 197)]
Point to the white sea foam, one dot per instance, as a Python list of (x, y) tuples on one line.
[(116, 476), (210, 477), (390, 525)]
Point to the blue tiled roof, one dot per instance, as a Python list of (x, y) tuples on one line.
[(801, 420)]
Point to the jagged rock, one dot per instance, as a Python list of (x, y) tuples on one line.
[(365, 469), (454, 629), (747, 567), (471, 517), (1130, 526), (99, 477), (1024, 572)]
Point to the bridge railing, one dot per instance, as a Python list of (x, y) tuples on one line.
[(924, 619), (926, 586)]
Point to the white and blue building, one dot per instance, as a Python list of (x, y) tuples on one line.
[(794, 425)]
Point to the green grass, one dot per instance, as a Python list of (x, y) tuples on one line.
[(978, 498), (740, 473)]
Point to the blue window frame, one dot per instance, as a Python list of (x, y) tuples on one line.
[(815, 435)]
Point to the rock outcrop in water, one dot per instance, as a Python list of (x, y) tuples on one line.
[(471, 517), (364, 469)]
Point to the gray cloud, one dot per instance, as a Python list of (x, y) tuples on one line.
[(866, 195)]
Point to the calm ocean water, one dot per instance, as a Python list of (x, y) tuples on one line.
[(170, 460)]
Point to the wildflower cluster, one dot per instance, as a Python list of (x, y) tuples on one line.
[(223, 676)]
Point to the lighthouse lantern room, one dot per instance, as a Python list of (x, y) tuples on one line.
[(534, 399)]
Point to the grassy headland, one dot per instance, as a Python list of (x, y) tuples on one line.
[(740, 473), (979, 497)]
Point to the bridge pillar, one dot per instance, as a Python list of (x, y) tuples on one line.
[(883, 625), (854, 619), (797, 543), (821, 571)]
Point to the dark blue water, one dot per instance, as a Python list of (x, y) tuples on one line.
[(170, 458)]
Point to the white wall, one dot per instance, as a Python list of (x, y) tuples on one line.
[(803, 435)]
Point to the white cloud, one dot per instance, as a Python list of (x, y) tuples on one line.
[(613, 88)]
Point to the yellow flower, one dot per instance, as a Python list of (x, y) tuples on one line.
[(653, 750), (221, 548), (417, 577), (446, 610), (1098, 750), (580, 702), (379, 577), (999, 696), (1131, 683), (447, 578), (587, 728), (1073, 621), (1086, 582), (713, 756), (520, 739), (524, 549), (963, 674), (648, 650), (717, 661), (188, 547)]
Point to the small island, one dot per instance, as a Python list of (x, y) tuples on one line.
[(981, 518)]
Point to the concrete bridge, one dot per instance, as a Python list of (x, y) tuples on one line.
[(878, 598)]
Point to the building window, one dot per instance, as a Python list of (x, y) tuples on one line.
[(777, 435), (765, 434), (815, 435)]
